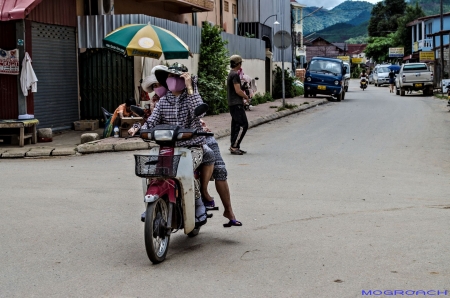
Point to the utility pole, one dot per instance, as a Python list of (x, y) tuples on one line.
[(441, 37)]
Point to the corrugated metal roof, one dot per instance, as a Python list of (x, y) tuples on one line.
[(16, 9), (56, 13)]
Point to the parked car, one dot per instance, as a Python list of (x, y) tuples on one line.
[(414, 77), (347, 76), (325, 76), (371, 78), (381, 75)]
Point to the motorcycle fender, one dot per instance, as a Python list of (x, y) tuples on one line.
[(185, 175)]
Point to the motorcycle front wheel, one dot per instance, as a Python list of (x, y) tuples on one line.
[(155, 230)]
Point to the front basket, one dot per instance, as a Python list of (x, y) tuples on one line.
[(147, 166)]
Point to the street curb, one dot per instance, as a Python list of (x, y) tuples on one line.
[(98, 147)]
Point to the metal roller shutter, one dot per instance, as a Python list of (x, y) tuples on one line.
[(55, 64)]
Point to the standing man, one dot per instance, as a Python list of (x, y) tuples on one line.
[(236, 97), (391, 81)]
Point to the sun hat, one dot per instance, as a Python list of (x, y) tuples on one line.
[(148, 82), (151, 79), (162, 74)]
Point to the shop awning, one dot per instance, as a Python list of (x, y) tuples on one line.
[(16, 9)]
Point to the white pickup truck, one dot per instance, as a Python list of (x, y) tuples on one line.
[(414, 77)]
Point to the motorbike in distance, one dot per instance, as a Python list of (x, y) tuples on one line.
[(363, 83), (168, 186)]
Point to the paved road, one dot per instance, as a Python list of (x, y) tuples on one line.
[(341, 198)]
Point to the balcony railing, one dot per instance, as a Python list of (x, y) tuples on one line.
[(423, 45)]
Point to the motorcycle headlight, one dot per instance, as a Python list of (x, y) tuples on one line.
[(336, 83), (308, 79), (163, 135)]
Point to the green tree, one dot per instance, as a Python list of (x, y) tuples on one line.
[(384, 17), (402, 37), (212, 69), (289, 90), (378, 47)]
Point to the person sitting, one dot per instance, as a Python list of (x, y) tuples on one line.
[(220, 178), (177, 108), (123, 110), (150, 84)]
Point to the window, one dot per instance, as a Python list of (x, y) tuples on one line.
[(226, 6), (234, 9)]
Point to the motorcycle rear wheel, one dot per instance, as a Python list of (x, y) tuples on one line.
[(155, 230)]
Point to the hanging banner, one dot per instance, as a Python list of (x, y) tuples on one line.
[(9, 62), (396, 52)]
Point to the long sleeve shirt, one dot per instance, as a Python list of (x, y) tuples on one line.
[(178, 111)]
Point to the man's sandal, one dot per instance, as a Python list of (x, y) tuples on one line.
[(233, 223), (236, 151)]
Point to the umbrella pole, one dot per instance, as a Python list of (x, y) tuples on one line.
[(138, 102)]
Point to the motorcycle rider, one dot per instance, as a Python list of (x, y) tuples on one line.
[(177, 108), (219, 174), (363, 76)]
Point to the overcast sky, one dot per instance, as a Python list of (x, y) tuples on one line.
[(328, 4)]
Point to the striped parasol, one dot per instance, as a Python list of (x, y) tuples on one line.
[(146, 41)]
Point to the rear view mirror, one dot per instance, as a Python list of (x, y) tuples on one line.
[(201, 109), (137, 110)]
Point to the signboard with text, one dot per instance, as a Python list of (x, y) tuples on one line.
[(396, 52), (9, 62), (344, 58), (426, 56), (358, 60)]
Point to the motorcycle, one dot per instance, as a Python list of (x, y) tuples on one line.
[(363, 83), (168, 186)]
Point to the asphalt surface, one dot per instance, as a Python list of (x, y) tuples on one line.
[(337, 199)]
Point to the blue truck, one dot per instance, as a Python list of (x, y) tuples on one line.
[(325, 76)]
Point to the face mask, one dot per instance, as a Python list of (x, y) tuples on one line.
[(160, 91), (175, 84)]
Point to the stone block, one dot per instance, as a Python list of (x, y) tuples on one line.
[(64, 151), (45, 133), (89, 137), (15, 153), (39, 152), (95, 148)]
